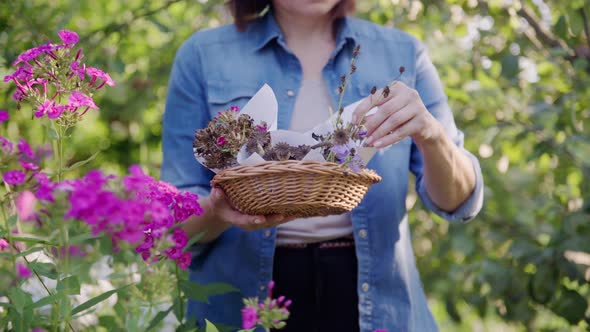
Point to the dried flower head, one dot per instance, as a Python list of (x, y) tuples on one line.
[(341, 136), (282, 151)]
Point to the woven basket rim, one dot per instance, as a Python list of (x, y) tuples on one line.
[(294, 166)]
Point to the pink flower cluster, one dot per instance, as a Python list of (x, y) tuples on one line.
[(52, 72), (147, 213), (271, 313)]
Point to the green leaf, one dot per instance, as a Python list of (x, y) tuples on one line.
[(19, 298), (52, 134), (570, 305), (33, 240), (158, 318), (12, 221), (576, 23), (7, 305), (69, 285), (209, 327), (95, 300), (510, 68), (82, 162), (45, 269), (560, 27), (29, 251), (193, 240), (44, 301), (201, 293)]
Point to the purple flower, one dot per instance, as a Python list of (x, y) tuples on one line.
[(68, 37), (78, 69), (14, 177), (341, 152), (25, 205), (25, 149), (18, 95), (356, 164), (4, 244), (45, 189), (5, 145), (249, 317), (234, 108), (362, 133), (22, 271), (180, 238), (96, 73), (44, 108), (78, 99), (184, 261), (221, 141), (28, 166), (4, 116), (55, 111)]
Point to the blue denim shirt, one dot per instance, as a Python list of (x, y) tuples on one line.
[(220, 67)]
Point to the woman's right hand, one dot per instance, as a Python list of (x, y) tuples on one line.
[(223, 212)]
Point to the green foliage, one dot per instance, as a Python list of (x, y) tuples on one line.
[(518, 77)]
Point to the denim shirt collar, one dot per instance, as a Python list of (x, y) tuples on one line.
[(266, 29)]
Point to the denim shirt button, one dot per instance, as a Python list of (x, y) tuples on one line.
[(365, 287), (363, 233), (290, 93), (267, 233)]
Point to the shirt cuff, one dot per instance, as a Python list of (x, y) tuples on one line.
[(469, 208)]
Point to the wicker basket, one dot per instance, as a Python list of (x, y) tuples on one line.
[(294, 188)]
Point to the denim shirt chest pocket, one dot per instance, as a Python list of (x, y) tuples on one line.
[(221, 95)]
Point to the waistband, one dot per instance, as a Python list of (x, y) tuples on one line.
[(341, 242)]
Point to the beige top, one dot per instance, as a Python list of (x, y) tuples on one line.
[(311, 108)]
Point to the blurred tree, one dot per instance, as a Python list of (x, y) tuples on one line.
[(517, 74)]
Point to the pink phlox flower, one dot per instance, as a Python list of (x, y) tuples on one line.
[(4, 244), (6, 145), (25, 205), (271, 285), (22, 271), (249, 317), (18, 95), (186, 205), (44, 108), (14, 177), (96, 73), (234, 108), (137, 180), (45, 188), (55, 111), (28, 55), (221, 141), (174, 253), (180, 238), (78, 99), (4, 116), (28, 166), (78, 69), (22, 73), (25, 149), (184, 261), (68, 37)]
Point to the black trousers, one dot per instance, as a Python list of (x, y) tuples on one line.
[(322, 283)]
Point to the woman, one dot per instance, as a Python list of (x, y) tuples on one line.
[(354, 272)]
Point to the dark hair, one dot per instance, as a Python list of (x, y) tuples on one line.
[(246, 11)]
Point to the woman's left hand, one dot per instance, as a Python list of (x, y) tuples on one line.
[(401, 113)]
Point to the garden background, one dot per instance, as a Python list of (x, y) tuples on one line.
[(517, 73)]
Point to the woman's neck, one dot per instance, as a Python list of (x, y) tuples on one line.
[(298, 29)]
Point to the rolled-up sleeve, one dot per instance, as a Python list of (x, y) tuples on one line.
[(430, 88), (185, 111)]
